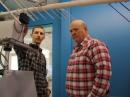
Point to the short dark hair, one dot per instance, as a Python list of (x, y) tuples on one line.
[(37, 27)]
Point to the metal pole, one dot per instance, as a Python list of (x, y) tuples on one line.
[(63, 5), (9, 12)]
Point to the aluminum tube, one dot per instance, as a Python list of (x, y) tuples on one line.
[(64, 5)]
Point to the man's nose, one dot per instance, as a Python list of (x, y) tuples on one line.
[(73, 33), (38, 34)]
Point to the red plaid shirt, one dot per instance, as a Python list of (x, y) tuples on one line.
[(89, 70)]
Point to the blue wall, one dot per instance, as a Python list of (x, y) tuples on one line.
[(65, 50), (107, 25)]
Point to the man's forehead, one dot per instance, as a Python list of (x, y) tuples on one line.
[(75, 25), (39, 29), (77, 22)]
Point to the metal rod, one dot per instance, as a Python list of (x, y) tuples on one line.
[(59, 11), (6, 63), (63, 12), (9, 12), (65, 5), (54, 13), (68, 14), (12, 42), (22, 8), (39, 12), (27, 12), (48, 14), (22, 3)]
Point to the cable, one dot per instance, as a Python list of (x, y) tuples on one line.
[(119, 13), (2, 55), (1, 63), (125, 6)]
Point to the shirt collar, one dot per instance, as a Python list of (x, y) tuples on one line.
[(84, 42), (35, 46)]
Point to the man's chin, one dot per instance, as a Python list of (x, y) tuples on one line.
[(37, 42)]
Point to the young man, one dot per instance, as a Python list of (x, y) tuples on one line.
[(35, 61), (89, 66)]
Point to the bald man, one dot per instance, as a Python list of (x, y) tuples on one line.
[(89, 66)]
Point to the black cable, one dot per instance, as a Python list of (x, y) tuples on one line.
[(2, 55), (1, 58), (125, 6), (1, 63), (119, 13)]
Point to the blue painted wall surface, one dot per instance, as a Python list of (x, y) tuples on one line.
[(107, 25), (65, 50)]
